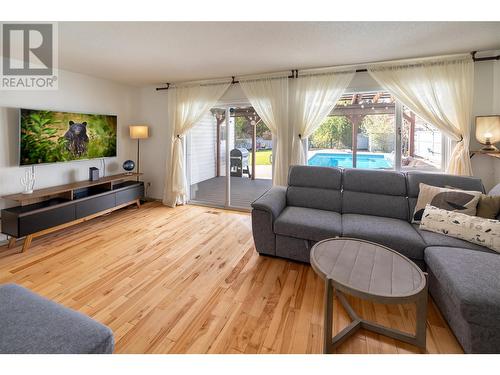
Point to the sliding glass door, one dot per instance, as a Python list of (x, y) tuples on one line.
[(229, 156)]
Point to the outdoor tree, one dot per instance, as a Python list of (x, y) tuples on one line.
[(334, 132), (380, 131), (243, 129)]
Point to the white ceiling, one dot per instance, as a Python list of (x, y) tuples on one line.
[(141, 53)]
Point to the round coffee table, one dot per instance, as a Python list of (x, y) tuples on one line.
[(373, 272)]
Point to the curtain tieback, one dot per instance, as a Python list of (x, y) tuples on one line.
[(300, 136)]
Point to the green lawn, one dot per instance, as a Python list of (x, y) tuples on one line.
[(263, 157)]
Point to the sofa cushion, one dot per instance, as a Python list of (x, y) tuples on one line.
[(321, 199), (396, 234), (308, 223), (375, 181), (414, 179), (437, 239), (373, 192), (375, 204), (314, 187), (31, 324), (471, 279), (315, 177)]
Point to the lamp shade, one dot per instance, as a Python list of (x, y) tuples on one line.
[(139, 131), (488, 129)]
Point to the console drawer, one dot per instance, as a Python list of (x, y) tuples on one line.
[(129, 195), (37, 221), (94, 205)]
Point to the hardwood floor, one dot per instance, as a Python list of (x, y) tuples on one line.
[(188, 280)]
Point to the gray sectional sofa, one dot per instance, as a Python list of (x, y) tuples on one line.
[(376, 205)]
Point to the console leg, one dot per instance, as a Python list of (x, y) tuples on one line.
[(27, 242), (138, 203), (12, 242)]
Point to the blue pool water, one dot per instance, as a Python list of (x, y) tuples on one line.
[(371, 161)]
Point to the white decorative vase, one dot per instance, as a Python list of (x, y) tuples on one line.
[(28, 181)]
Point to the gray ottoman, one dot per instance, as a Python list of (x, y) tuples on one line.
[(31, 324)]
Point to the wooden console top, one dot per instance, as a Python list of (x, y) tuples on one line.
[(67, 189)]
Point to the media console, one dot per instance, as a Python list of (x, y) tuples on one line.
[(54, 208)]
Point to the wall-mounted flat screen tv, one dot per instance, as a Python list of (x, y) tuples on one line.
[(51, 137)]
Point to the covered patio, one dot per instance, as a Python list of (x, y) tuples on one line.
[(243, 191)]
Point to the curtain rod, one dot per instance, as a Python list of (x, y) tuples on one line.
[(295, 72)]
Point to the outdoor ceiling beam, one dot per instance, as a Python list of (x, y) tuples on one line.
[(343, 111)]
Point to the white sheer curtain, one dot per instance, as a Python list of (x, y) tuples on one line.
[(186, 105), (441, 92), (312, 99), (269, 98)]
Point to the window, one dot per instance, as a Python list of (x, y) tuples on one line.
[(421, 143), (360, 132)]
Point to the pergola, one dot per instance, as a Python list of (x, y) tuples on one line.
[(355, 107)]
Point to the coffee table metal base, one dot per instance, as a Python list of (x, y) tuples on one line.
[(330, 344)]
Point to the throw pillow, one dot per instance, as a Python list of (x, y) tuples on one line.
[(484, 232), (488, 206), (462, 201)]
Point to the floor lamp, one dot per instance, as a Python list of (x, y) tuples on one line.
[(138, 132)]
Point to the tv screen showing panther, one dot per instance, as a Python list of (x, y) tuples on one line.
[(51, 137)]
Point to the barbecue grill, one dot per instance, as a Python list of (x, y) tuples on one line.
[(239, 162)]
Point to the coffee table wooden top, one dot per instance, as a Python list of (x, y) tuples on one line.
[(367, 269)]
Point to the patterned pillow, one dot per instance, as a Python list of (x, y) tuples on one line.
[(462, 201), (484, 232)]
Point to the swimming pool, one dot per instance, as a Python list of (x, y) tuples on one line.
[(370, 161)]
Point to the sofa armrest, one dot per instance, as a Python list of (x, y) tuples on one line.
[(272, 201), (265, 211)]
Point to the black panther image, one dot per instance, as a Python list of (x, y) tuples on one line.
[(77, 138)]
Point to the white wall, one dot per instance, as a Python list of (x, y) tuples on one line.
[(496, 110), (154, 151), (76, 93), (486, 102)]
